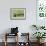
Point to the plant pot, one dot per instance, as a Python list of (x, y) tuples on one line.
[(40, 41)]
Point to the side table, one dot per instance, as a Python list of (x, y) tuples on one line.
[(9, 34)]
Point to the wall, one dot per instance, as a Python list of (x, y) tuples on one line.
[(24, 25)]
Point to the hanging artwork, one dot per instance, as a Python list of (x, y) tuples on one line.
[(41, 8), (17, 13)]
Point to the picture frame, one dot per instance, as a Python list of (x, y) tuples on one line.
[(17, 13)]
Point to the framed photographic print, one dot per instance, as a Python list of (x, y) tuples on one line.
[(17, 13)]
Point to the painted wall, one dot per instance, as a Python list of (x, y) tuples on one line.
[(24, 25)]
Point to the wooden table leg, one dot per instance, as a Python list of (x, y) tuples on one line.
[(16, 40), (5, 39)]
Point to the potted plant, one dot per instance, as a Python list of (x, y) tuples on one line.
[(39, 35)]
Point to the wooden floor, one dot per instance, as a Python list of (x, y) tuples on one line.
[(13, 44)]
